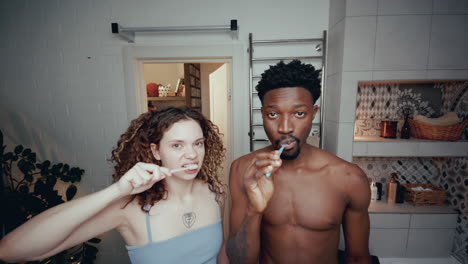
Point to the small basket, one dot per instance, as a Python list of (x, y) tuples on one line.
[(421, 198), (437, 132)]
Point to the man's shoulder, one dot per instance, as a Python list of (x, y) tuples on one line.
[(338, 165)]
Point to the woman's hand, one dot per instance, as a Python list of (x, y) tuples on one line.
[(141, 177), (259, 187)]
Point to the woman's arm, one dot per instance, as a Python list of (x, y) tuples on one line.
[(74, 222)]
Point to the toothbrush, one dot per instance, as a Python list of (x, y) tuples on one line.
[(189, 167), (268, 174)]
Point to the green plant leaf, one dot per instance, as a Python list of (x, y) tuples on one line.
[(71, 191), (18, 149)]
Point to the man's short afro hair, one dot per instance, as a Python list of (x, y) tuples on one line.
[(293, 74)]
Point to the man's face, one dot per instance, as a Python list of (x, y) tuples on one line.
[(287, 118)]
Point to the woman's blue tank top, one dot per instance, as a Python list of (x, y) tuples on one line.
[(198, 246)]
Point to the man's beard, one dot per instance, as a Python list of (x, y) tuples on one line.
[(289, 138)]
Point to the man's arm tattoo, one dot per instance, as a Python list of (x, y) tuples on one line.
[(236, 246)]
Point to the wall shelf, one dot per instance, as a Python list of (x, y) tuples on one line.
[(167, 98), (375, 146)]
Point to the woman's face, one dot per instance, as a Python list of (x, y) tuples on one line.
[(182, 144)]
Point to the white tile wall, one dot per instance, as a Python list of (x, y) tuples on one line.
[(402, 42), (361, 8), (335, 48), (345, 141), (333, 97), (400, 75), (359, 44), (450, 7), (337, 12), (448, 43), (403, 7)]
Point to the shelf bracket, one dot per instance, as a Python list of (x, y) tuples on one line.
[(128, 33)]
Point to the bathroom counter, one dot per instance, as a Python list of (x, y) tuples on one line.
[(382, 207)]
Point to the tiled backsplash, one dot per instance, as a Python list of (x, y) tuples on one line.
[(451, 174)]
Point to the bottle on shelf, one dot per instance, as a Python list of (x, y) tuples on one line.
[(405, 129), (374, 194), (392, 188)]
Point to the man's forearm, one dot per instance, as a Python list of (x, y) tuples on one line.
[(244, 246)]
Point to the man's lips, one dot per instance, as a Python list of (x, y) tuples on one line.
[(289, 144)]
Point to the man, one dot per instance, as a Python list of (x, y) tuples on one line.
[(294, 215)]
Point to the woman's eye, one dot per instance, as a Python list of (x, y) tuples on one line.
[(300, 114), (200, 144), (176, 145), (272, 115)]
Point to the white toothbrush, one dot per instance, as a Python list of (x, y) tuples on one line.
[(188, 167)]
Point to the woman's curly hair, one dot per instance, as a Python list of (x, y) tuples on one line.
[(134, 146), (293, 74)]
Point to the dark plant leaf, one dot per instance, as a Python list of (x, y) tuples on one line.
[(39, 187), (28, 177), (50, 181), (71, 191), (7, 156), (26, 152), (23, 189), (18, 149)]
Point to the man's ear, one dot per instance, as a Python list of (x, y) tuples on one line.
[(155, 151)]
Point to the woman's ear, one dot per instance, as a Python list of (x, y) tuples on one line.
[(155, 151)]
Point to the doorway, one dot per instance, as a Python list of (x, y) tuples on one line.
[(202, 84)]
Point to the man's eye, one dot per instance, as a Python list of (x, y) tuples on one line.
[(272, 115), (300, 114)]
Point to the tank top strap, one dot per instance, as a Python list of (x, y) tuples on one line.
[(148, 223)]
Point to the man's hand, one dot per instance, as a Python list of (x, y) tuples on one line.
[(260, 188), (141, 177)]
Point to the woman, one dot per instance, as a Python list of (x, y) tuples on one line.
[(163, 216)]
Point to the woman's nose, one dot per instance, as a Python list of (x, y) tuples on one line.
[(190, 153)]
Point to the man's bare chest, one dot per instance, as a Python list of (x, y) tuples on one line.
[(312, 203)]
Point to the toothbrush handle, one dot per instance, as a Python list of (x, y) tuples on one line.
[(268, 174)]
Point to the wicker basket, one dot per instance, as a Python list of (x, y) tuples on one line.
[(437, 132), (419, 198)]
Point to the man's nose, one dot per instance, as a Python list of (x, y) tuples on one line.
[(285, 125)]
